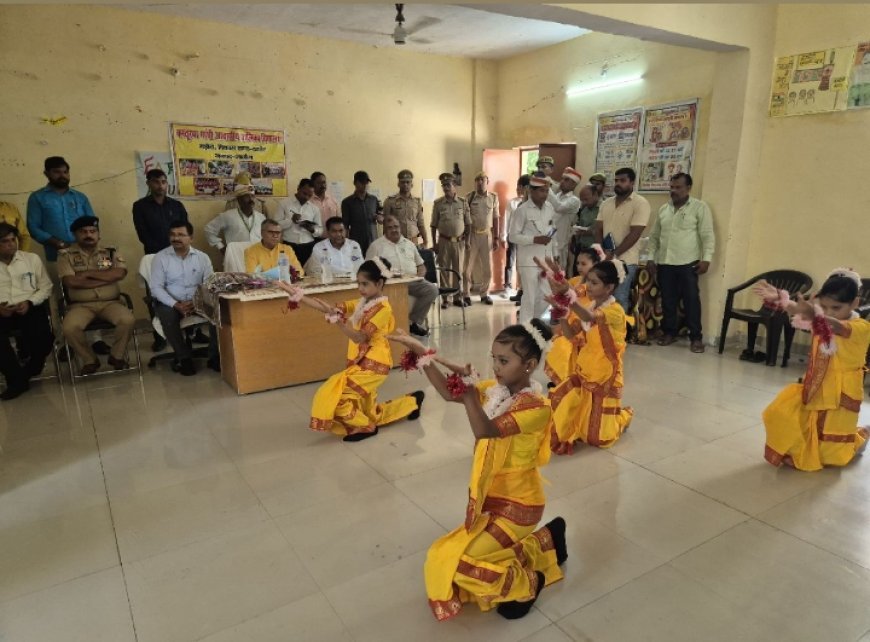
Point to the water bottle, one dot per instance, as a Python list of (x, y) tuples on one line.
[(284, 267), (325, 271)]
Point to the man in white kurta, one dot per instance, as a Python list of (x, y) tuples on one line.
[(531, 230), (566, 204), (241, 223)]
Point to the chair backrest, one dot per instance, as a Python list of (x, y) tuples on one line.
[(145, 273), (234, 257), (864, 293), (792, 281), (429, 261)]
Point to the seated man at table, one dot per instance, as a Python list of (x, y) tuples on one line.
[(176, 272), (263, 256), (90, 274), (405, 259), (343, 255), (24, 288)]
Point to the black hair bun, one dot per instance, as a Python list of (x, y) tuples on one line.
[(544, 328)]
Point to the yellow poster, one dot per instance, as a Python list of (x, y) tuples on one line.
[(208, 159), (808, 83)]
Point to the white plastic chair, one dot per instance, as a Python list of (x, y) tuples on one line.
[(234, 257)]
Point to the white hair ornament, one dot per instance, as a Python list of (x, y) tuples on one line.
[(539, 339), (849, 273), (385, 271)]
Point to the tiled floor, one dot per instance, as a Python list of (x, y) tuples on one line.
[(173, 509)]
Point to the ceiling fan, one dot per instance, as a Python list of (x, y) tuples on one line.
[(401, 35)]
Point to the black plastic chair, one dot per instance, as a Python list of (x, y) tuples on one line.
[(99, 324), (776, 323), (55, 348), (435, 274)]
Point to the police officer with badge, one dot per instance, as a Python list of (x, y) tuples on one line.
[(451, 222), (90, 275), (408, 209)]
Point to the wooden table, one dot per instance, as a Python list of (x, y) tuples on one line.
[(265, 346)]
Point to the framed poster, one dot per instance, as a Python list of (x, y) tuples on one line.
[(617, 136), (207, 159), (668, 144)]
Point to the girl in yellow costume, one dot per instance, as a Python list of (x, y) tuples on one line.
[(498, 557), (560, 359), (587, 405), (346, 403), (815, 424)]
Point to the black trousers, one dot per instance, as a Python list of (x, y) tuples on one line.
[(170, 319), (680, 283), (303, 251), (33, 334), (510, 259)]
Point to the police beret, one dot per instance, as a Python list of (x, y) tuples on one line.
[(84, 221)]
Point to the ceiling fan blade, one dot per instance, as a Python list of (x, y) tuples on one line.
[(421, 41), (423, 23), (365, 32)]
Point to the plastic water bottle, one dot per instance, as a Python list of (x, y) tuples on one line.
[(284, 267), (325, 271)]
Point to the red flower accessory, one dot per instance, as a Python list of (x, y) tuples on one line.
[(456, 385), (294, 298)]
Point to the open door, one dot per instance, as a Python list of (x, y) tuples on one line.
[(564, 155), (503, 168)]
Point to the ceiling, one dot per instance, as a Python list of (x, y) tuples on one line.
[(434, 28)]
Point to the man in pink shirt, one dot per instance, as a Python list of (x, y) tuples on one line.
[(323, 200)]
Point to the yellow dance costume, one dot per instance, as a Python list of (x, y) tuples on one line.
[(346, 403), (815, 424), (493, 558), (587, 405), (560, 360)]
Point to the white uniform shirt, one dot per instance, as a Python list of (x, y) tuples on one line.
[(566, 207), (509, 209), (24, 279), (527, 222), (403, 256), (294, 232), (344, 261), (235, 227)]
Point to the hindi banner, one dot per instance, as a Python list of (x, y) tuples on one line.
[(859, 89), (617, 135), (207, 159), (668, 144)]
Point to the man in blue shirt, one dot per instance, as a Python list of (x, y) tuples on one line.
[(176, 272), (52, 210)]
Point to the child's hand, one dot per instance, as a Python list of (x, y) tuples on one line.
[(765, 291), (403, 338), (804, 307)]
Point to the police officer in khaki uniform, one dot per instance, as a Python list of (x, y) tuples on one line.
[(482, 240), (451, 222), (546, 164), (90, 275), (408, 209)]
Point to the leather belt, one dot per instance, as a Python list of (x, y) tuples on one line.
[(452, 239)]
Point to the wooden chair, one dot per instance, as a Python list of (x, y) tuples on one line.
[(776, 323)]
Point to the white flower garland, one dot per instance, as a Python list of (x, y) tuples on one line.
[(586, 324), (499, 399), (362, 307)]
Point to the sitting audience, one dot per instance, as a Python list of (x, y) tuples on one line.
[(263, 256), (342, 254), (405, 259), (90, 275), (176, 272), (24, 289)]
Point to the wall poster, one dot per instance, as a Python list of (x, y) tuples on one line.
[(668, 144), (617, 138), (146, 161), (812, 82), (207, 159), (859, 89)]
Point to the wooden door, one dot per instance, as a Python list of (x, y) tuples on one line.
[(503, 168), (564, 155)]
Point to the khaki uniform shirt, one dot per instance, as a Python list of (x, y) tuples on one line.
[(484, 210), (409, 211), (74, 260), (451, 218)]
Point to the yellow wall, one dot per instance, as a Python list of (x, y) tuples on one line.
[(813, 212), (345, 106), (533, 106)]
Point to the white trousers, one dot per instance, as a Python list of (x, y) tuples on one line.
[(534, 290)]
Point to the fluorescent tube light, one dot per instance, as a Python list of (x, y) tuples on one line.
[(604, 85)]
